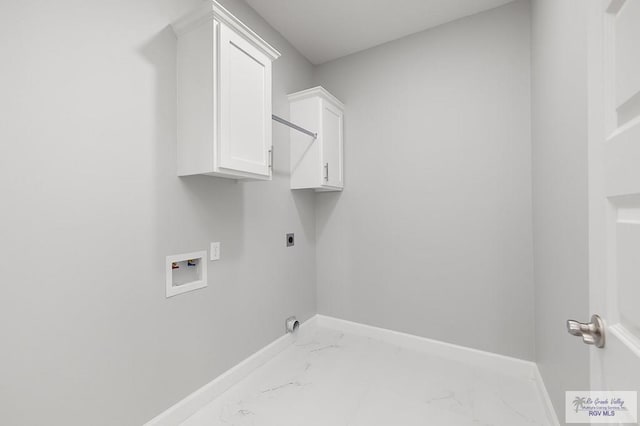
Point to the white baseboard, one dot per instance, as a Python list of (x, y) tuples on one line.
[(546, 400), (506, 364), (185, 408), (512, 366)]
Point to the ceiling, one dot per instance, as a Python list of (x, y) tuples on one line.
[(324, 30)]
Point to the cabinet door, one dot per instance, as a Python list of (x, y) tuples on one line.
[(332, 145), (245, 105)]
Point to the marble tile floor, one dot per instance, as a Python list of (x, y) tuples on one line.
[(329, 378)]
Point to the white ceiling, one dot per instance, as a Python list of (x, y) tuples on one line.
[(324, 30)]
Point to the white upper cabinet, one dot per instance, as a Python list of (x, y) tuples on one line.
[(224, 96), (317, 164)]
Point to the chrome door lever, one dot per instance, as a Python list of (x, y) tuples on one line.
[(592, 333)]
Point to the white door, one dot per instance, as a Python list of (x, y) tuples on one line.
[(332, 144), (614, 190), (245, 105)]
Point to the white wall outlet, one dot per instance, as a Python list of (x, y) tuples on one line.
[(214, 252)]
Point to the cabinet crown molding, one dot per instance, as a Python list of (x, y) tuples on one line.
[(212, 10), (313, 92)]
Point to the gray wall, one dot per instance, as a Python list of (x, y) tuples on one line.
[(560, 204), (91, 206), (433, 230)]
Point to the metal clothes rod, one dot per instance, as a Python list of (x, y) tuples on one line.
[(294, 126)]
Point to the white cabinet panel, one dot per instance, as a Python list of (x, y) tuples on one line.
[(245, 105), (317, 164), (332, 144), (224, 96)]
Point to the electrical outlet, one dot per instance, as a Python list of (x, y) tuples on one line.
[(214, 252), (290, 240)]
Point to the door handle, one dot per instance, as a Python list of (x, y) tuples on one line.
[(592, 333), (326, 172)]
